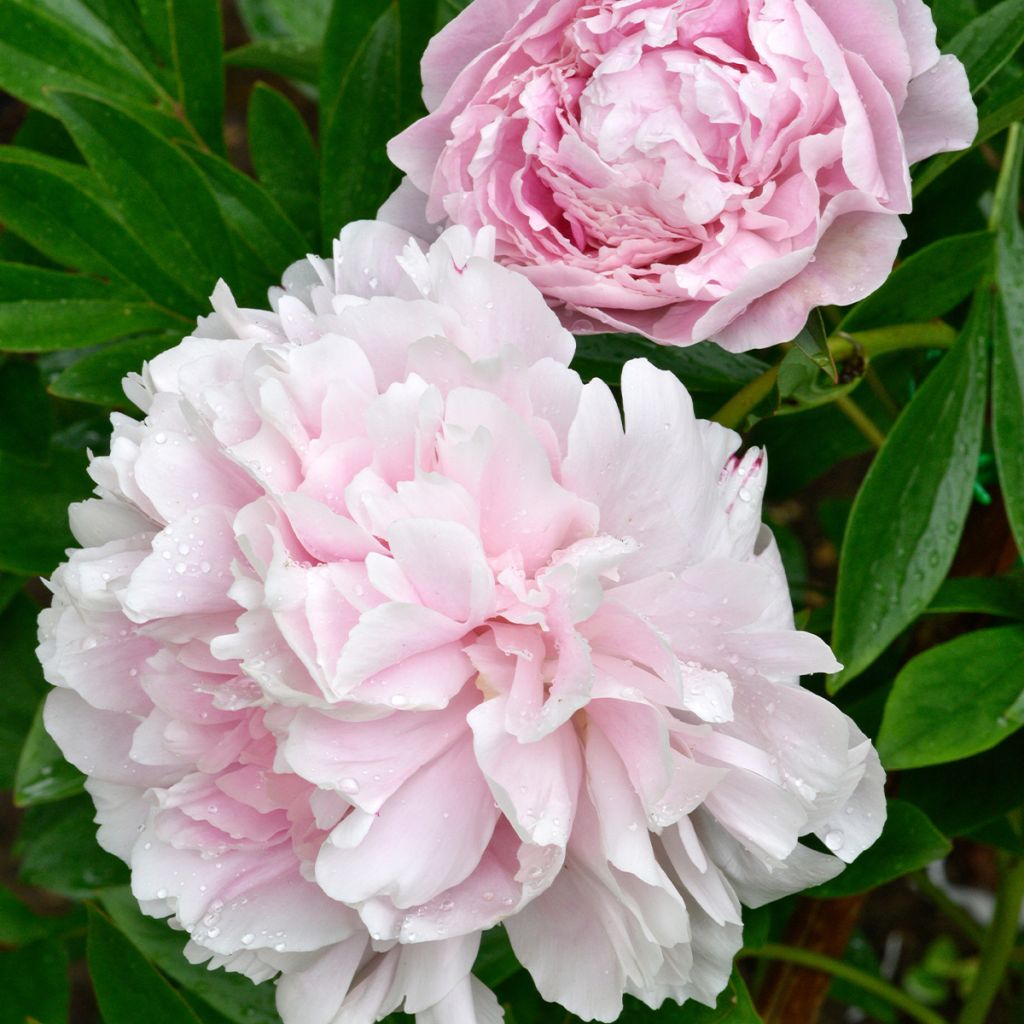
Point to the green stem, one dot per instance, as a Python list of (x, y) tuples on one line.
[(997, 947), (897, 338), (838, 969), (1005, 190), (860, 419), (953, 911), (735, 411)]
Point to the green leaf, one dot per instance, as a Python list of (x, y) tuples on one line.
[(285, 157), (496, 962), (986, 43), (27, 421), (265, 239), (35, 985), (289, 58), (128, 988), (860, 954), (1001, 596), (891, 566), (43, 326), (955, 700), (58, 850), (97, 378), (928, 284), (962, 796), (43, 775), (34, 512), (908, 841), (188, 34), (61, 210), (1008, 352), (23, 685), (370, 63), (19, 926), (45, 50), (10, 587), (802, 382), (230, 994), (303, 18), (702, 367), (159, 192), (22, 281)]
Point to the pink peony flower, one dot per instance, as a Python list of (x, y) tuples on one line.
[(385, 631), (686, 169)]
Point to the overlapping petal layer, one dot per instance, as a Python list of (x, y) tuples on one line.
[(387, 629), (688, 169)]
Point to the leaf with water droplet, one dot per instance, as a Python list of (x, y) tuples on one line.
[(898, 545), (43, 775), (909, 841)]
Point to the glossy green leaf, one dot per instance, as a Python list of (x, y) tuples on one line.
[(122, 20), (128, 988), (98, 377), (370, 61), (802, 383), (43, 775), (35, 984), (929, 284), (58, 850), (1001, 596), (43, 50), (1008, 358), (34, 512), (955, 700), (27, 420), (233, 996), (285, 158), (892, 565), (21, 281), (42, 326), (702, 367), (158, 191), (986, 43), (23, 686), (964, 795), (289, 58), (188, 34), (263, 236), (908, 841), (61, 209)]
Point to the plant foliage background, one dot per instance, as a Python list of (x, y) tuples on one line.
[(158, 145)]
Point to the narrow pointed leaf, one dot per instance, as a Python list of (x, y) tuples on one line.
[(42, 51), (44, 326), (892, 565), (987, 42), (128, 987), (98, 377), (59, 209), (1008, 360), (158, 191), (285, 157), (289, 58)]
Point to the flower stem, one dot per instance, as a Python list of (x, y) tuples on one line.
[(860, 419), (1005, 186), (838, 969), (735, 411), (953, 911), (997, 946)]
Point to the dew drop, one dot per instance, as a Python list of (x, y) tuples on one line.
[(834, 840), (161, 894), (349, 786), (160, 438), (247, 938)]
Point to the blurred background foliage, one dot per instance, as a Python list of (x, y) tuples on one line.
[(155, 146)]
